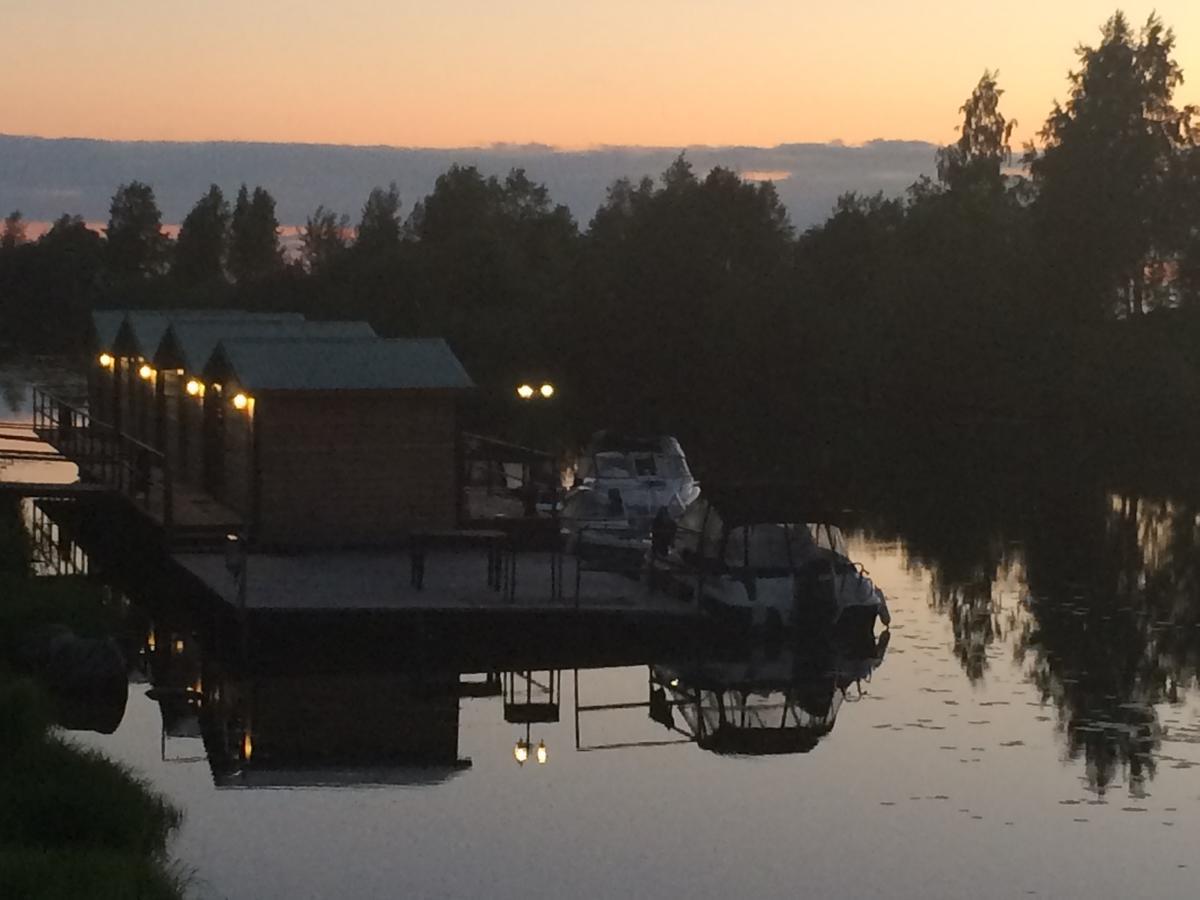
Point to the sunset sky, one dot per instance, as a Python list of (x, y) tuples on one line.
[(570, 74)]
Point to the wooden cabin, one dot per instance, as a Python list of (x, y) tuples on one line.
[(326, 443), (103, 387), (123, 384), (179, 362)]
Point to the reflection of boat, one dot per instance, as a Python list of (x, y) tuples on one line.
[(783, 703), (622, 483), (755, 557)]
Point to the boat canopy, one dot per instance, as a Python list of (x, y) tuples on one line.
[(730, 535)]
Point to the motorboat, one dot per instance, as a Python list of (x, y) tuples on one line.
[(758, 557), (622, 484)]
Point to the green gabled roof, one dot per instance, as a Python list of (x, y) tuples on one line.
[(330, 364), (188, 344), (142, 330), (106, 323)]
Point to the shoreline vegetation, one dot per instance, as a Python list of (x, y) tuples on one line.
[(72, 822), (1063, 288)]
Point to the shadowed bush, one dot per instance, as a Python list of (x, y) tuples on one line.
[(25, 714), (94, 874), (54, 795), (14, 542), (70, 601)]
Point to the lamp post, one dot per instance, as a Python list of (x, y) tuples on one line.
[(524, 707)]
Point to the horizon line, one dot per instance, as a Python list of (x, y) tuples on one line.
[(531, 146)]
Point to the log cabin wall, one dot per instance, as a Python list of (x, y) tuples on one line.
[(137, 408), (123, 412), (237, 454), (354, 468), (167, 429), (101, 382), (187, 413)]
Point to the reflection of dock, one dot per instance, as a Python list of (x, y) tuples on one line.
[(456, 580)]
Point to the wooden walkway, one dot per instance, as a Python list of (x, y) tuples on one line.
[(113, 463)]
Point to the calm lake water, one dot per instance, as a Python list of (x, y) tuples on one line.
[(1033, 728)]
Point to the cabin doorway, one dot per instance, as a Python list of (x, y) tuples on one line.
[(160, 411), (214, 442)]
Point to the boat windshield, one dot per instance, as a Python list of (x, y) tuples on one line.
[(767, 546), (611, 464), (615, 464)]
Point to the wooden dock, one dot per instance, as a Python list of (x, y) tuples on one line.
[(111, 462), (455, 581)]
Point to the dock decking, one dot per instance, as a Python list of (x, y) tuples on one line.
[(455, 580)]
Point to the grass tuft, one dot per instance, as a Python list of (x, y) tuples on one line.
[(54, 795)]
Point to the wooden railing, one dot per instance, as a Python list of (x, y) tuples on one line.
[(136, 470)]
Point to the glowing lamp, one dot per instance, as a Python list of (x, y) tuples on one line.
[(150, 642), (178, 645), (521, 752), (541, 753), (106, 360), (240, 401), (145, 372), (525, 391), (247, 746), (194, 388), (547, 391)]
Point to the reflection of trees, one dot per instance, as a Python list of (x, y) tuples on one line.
[(957, 502), (1113, 627), (974, 617), (1109, 626)]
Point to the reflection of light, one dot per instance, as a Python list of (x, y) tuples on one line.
[(145, 372), (150, 642), (521, 751), (106, 360), (198, 686), (547, 391), (195, 388), (247, 746), (178, 646), (240, 401), (541, 753), (525, 391)]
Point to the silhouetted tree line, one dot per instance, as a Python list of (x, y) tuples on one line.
[(1068, 286)]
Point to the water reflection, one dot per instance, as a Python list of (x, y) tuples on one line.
[(1093, 593), (1109, 643), (781, 702), (291, 729), (334, 715)]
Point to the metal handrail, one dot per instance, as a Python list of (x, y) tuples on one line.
[(105, 453)]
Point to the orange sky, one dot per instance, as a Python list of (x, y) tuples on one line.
[(572, 74)]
